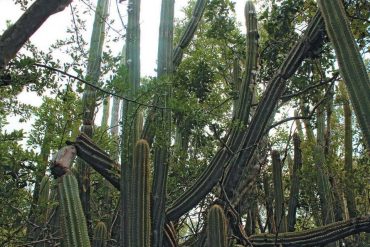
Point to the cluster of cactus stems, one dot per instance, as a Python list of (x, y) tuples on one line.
[(135, 188), (351, 65), (100, 235), (216, 227)]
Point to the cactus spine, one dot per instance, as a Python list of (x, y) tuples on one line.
[(217, 227), (73, 222), (351, 65), (100, 235)]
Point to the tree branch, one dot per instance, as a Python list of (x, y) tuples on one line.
[(16, 35)]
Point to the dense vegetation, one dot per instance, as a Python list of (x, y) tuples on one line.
[(256, 139)]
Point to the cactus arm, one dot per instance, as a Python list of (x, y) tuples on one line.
[(89, 152), (216, 227), (314, 237), (351, 65), (138, 202), (100, 235), (189, 32), (73, 221)]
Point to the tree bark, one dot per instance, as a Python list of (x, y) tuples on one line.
[(12, 40)]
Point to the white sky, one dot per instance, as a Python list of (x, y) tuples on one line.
[(55, 27)]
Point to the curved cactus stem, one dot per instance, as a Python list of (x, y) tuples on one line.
[(351, 65), (314, 237), (216, 227)]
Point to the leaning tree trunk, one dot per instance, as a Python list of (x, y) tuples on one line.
[(89, 100)]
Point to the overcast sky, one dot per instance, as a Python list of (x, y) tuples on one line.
[(54, 28)]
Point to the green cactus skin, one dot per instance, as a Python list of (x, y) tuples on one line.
[(216, 227), (314, 237), (161, 151), (89, 99), (43, 200), (295, 181), (348, 149), (280, 219), (138, 222), (100, 235), (73, 222), (189, 32), (351, 65), (129, 121)]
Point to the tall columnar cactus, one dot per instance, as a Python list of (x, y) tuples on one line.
[(246, 89), (161, 152), (351, 65), (129, 122), (294, 184), (323, 183), (72, 219), (348, 188), (216, 227), (138, 201), (89, 98), (280, 219), (100, 235)]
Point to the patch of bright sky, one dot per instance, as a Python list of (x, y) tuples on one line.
[(55, 27)]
